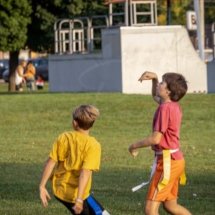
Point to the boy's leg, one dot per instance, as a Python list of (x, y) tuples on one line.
[(87, 210), (66, 204), (152, 207), (174, 208), (95, 208)]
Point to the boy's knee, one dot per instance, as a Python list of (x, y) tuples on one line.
[(151, 207), (148, 209), (170, 206), (166, 207)]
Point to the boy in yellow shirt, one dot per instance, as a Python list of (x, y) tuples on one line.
[(74, 156)]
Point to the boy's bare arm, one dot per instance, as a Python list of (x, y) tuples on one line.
[(151, 76), (83, 180), (48, 169), (153, 139)]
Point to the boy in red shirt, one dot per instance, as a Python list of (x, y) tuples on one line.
[(164, 140)]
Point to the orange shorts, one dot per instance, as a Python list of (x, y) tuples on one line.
[(170, 191)]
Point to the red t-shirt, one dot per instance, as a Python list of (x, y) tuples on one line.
[(167, 120)]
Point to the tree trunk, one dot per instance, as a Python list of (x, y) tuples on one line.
[(13, 63)]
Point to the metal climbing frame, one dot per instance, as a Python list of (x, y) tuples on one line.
[(70, 35), (136, 12), (79, 35), (83, 34)]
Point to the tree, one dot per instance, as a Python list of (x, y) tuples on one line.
[(178, 11), (172, 12), (46, 12), (14, 18), (29, 23), (209, 12)]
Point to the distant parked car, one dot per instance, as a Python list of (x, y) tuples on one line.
[(41, 65), (4, 64), (5, 75)]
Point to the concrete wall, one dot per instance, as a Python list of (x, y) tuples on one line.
[(211, 76), (126, 53), (160, 49), (88, 72), (84, 74)]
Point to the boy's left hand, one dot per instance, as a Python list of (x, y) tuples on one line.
[(44, 196), (147, 76), (78, 208), (133, 152)]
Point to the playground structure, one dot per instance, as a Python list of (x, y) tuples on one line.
[(110, 56), (80, 35)]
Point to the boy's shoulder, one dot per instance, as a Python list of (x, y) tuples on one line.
[(169, 105), (77, 139), (75, 135)]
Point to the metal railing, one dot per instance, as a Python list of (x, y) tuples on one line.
[(83, 34), (135, 13), (79, 35)]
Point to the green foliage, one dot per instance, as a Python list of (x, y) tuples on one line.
[(210, 13), (40, 16), (47, 12), (14, 18), (30, 122), (40, 32), (178, 11), (75, 7)]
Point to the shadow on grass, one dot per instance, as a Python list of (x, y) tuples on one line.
[(112, 187), (19, 181)]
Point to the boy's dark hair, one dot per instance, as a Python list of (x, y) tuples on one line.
[(85, 116), (176, 84)]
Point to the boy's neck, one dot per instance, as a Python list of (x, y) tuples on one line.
[(83, 131), (165, 100)]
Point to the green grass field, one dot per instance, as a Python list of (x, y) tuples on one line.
[(30, 122)]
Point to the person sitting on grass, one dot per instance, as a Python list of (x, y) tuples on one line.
[(40, 82), (74, 156), (164, 140)]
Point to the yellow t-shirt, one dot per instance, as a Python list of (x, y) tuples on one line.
[(30, 71), (73, 151)]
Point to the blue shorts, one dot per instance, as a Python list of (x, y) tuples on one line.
[(90, 206)]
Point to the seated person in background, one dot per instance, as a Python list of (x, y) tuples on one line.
[(40, 82)]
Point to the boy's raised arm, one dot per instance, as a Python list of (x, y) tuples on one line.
[(151, 76)]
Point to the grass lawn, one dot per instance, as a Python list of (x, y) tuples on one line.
[(30, 122)]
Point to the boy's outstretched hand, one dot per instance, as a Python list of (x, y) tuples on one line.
[(44, 196), (133, 152), (147, 76)]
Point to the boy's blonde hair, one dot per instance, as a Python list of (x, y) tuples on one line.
[(85, 116)]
